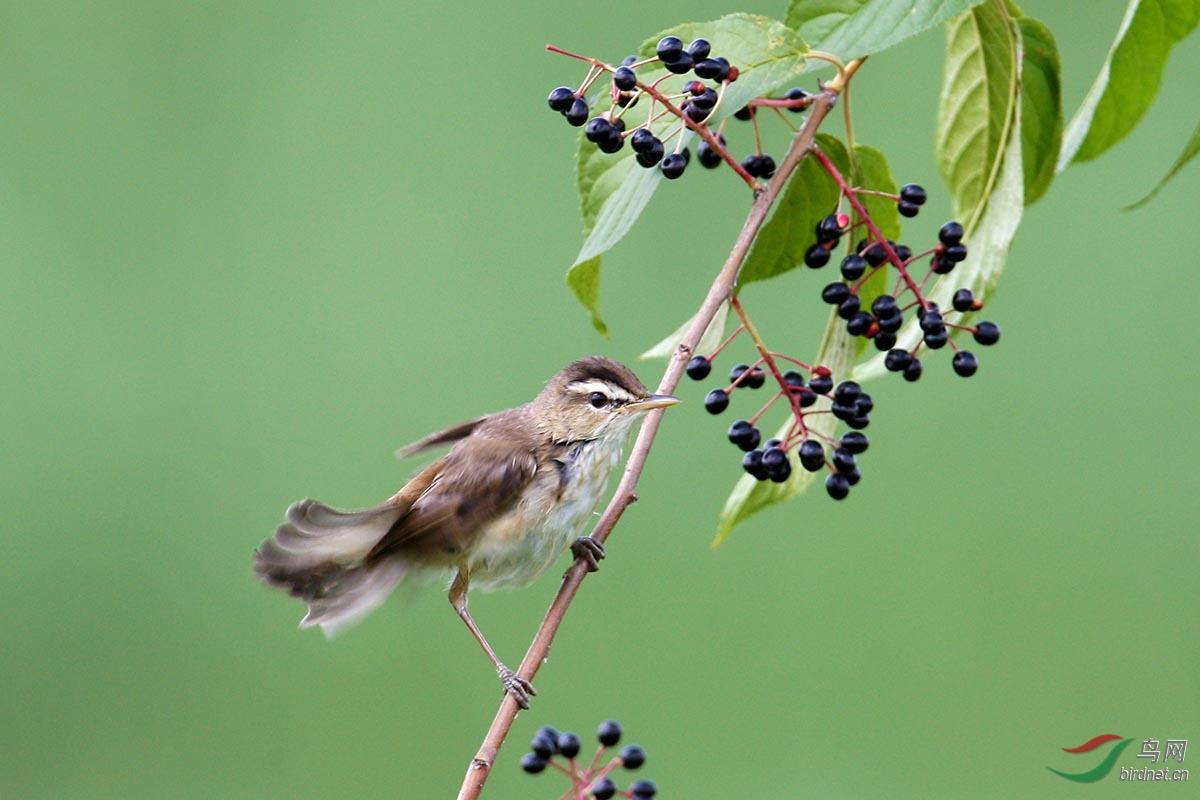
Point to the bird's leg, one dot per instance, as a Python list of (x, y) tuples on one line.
[(588, 549), (520, 688)]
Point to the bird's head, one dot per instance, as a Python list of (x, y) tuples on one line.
[(594, 398)]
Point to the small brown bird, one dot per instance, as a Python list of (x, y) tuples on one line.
[(515, 489)]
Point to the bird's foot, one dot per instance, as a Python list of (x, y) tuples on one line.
[(588, 549), (520, 688)]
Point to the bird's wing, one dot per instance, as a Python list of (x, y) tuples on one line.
[(447, 436), (453, 498)]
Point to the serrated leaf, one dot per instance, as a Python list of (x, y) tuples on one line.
[(1189, 152), (810, 194), (712, 337), (977, 107), (584, 280), (1129, 78), (1041, 106), (838, 349), (852, 28)]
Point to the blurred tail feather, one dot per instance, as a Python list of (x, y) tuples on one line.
[(320, 555)]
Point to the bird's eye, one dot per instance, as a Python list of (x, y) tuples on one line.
[(598, 399)]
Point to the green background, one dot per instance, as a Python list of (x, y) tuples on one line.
[(247, 249)]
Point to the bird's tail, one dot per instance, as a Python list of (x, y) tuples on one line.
[(320, 555)]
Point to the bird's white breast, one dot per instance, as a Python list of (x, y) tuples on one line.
[(521, 544)]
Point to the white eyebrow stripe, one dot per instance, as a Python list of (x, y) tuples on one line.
[(603, 387)]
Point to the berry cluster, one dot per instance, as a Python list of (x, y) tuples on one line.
[(593, 778), (770, 460), (691, 107), (882, 319)]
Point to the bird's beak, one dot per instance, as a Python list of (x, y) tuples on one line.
[(653, 401)]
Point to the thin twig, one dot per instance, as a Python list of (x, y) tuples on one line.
[(720, 292)]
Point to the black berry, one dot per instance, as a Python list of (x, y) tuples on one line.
[(912, 193), (855, 442), (681, 65), (669, 49), (752, 463), (609, 732), (965, 363), (835, 293), (849, 307), (821, 384), (577, 114), (624, 79), (673, 166), (859, 324), (632, 756), (828, 229), (897, 360), (560, 99), (812, 455), (847, 392), (908, 209), (699, 49), (569, 744), (884, 306), (951, 233), (853, 267), (698, 368), (843, 460), (955, 253), (987, 333), (766, 166), (964, 300), (744, 435), (716, 401), (544, 744), (533, 763), (604, 788), (816, 256), (837, 486), (709, 158), (643, 789), (913, 371), (653, 154), (642, 140), (936, 340), (886, 340)]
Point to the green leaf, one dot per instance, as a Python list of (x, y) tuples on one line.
[(852, 28), (810, 194), (584, 280), (1129, 77), (838, 349), (713, 335), (614, 190), (1189, 152), (978, 105), (1041, 107)]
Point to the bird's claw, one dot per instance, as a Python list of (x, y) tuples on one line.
[(588, 549), (520, 688)]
